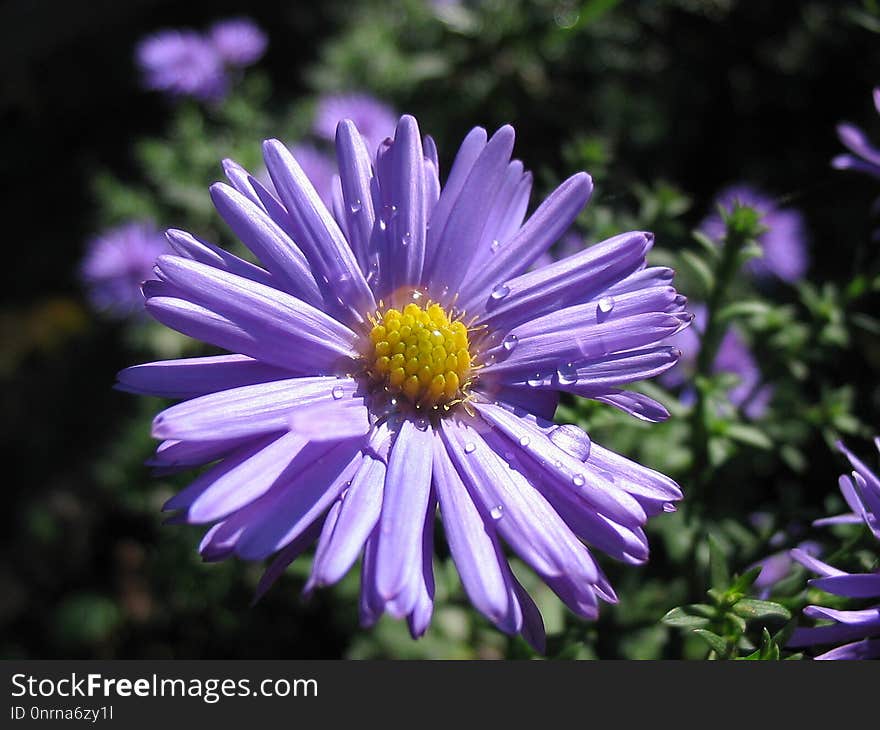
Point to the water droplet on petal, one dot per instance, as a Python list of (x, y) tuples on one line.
[(669, 507), (536, 381), (470, 447), (500, 291), (578, 480), (495, 245), (422, 424), (525, 441), (572, 440), (567, 374), (604, 307), (337, 392), (356, 206), (497, 512), (509, 342), (405, 239)]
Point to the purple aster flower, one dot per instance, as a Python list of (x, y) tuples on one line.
[(857, 630), (864, 156), (733, 356), (182, 63), (389, 361), (117, 262), (239, 41), (374, 119), (784, 243)]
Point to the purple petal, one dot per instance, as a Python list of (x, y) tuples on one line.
[(525, 520), (463, 230), (571, 281), (317, 233), (307, 333), (239, 479), (190, 247), (288, 510), (407, 488), (269, 242), (246, 411), (545, 226), (858, 585), (195, 376), (471, 148), (475, 549), (358, 514), (355, 174)]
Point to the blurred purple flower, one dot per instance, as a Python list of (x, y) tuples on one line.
[(864, 156), (777, 566), (182, 63), (117, 262), (858, 631), (733, 356), (374, 119), (238, 41), (340, 415), (784, 243)]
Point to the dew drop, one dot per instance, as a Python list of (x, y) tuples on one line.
[(337, 392), (356, 206), (500, 291), (669, 507), (495, 245), (604, 307), (416, 295), (405, 239), (567, 374), (572, 440), (509, 342), (536, 381), (525, 441), (470, 447), (496, 512), (578, 480), (422, 424)]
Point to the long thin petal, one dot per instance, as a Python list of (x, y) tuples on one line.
[(268, 241), (573, 280), (316, 231), (355, 174), (545, 226), (461, 235), (245, 411), (290, 509), (309, 334), (358, 515), (407, 488), (475, 549), (195, 376)]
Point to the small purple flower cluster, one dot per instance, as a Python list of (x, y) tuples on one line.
[(188, 63)]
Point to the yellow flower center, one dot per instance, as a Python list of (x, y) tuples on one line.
[(420, 353)]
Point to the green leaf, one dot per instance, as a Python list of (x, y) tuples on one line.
[(753, 608), (743, 582), (749, 435), (700, 269), (716, 643), (696, 615)]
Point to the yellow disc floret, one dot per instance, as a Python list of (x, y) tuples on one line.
[(421, 353)]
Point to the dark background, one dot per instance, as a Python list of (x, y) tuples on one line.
[(753, 95)]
